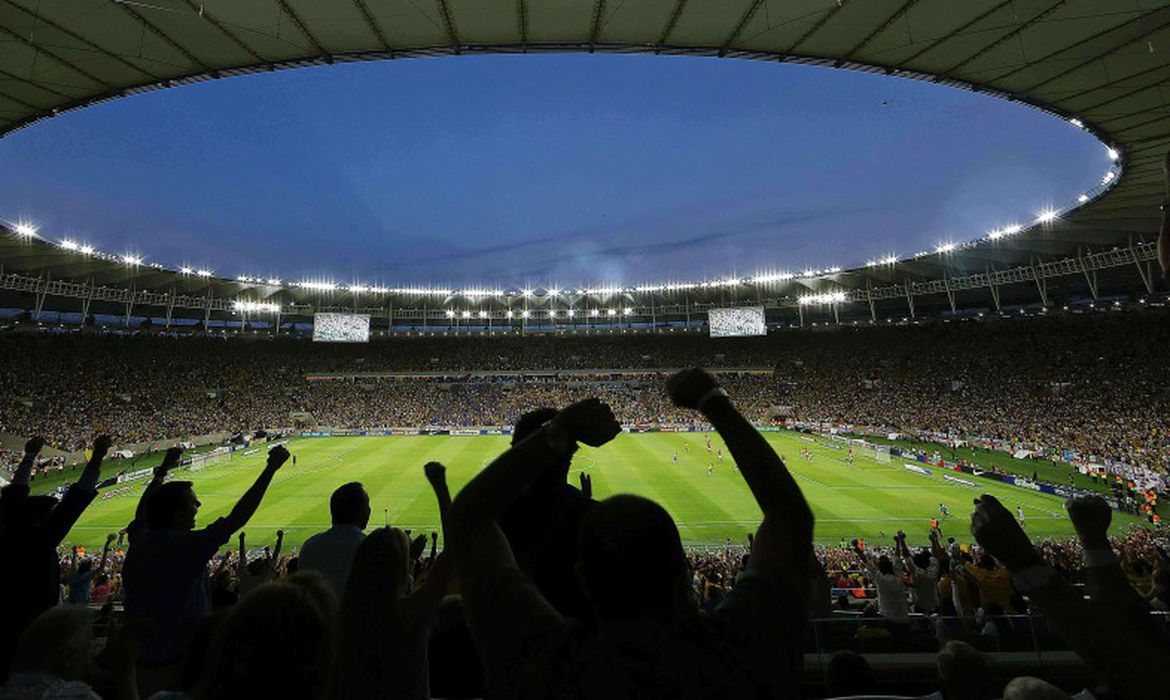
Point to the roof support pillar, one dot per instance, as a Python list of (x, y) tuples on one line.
[(869, 298), (170, 307), (86, 300), (1143, 270), (993, 287), (836, 313), (42, 292), (1041, 283), (909, 297), (207, 311), (129, 306), (800, 310), (950, 290), (1090, 275)]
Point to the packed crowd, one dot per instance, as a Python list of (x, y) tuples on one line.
[(1088, 389), (524, 601)]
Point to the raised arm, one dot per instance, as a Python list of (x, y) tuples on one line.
[(1114, 648), (783, 542), (472, 531), (93, 469), (106, 551), (242, 560), (436, 475), (23, 474), (246, 507), (170, 461)]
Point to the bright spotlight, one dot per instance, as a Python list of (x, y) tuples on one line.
[(69, 245), (944, 248), (483, 314), (552, 313), (1077, 123), (524, 314), (86, 250), (132, 260), (628, 311), (1083, 198), (1113, 154), (450, 313), (26, 230), (1047, 216), (466, 314), (186, 270), (203, 273), (526, 293), (508, 314), (594, 312), (572, 313), (611, 312)]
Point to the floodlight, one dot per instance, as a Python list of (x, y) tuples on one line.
[(572, 313), (203, 273), (524, 314), (86, 250), (1113, 154), (483, 314), (466, 314), (611, 312), (273, 280), (1046, 216), (450, 313), (1077, 123), (69, 245), (27, 230), (944, 248), (1083, 198), (508, 314), (552, 313), (185, 270), (132, 260), (629, 311), (594, 312)]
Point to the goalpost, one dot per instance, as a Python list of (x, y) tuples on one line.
[(202, 461)]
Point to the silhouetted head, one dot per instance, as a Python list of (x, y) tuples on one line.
[(632, 561), (32, 512), (281, 626), (554, 476), (963, 672), (848, 673), (380, 568), (350, 505), (885, 565), (922, 560), (56, 643), (172, 506)]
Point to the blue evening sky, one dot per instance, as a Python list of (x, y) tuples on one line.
[(515, 170)]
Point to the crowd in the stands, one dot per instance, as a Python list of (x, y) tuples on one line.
[(1086, 389), (542, 591)]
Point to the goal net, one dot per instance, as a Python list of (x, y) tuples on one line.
[(882, 453), (205, 460)]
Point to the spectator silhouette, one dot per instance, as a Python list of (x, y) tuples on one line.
[(165, 572), (651, 640), (31, 528), (542, 524), (385, 625), (331, 552)]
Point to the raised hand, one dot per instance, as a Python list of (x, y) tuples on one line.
[(34, 446), (1090, 517), (435, 472), (688, 387), (277, 456), (102, 445), (997, 531), (590, 421), (417, 546), (586, 485)]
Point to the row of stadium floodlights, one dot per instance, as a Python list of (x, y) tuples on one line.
[(1046, 217)]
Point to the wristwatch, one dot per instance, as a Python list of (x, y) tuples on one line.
[(713, 393)]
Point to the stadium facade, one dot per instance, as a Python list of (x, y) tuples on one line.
[(1098, 64)]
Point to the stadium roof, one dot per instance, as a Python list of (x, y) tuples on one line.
[(1102, 63)]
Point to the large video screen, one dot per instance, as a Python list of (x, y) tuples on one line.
[(731, 323), (341, 328)]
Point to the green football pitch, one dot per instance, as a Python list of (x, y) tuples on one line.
[(868, 499)]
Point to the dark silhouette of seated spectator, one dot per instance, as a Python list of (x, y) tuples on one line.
[(165, 571), (277, 642), (330, 552), (542, 524), (31, 528), (848, 673), (385, 626), (651, 640), (53, 658), (964, 673), (1029, 688)]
